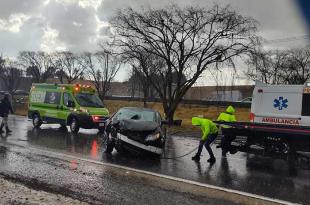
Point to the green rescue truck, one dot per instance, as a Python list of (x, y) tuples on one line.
[(66, 104)]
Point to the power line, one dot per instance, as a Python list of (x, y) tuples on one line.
[(286, 40)]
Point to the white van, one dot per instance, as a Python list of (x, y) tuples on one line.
[(281, 104)]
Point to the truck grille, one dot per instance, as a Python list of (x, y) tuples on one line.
[(136, 136)]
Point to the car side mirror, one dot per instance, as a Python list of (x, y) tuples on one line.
[(70, 103)]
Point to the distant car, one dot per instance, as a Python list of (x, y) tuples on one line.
[(21, 93), (2, 94), (20, 96), (135, 129), (247, 100)]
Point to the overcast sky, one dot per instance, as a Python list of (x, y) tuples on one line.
[(78, 25)]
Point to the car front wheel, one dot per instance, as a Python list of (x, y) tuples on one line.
[(36, 121), (107, 144), (74, 126)]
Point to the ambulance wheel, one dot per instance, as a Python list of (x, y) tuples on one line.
[(107, 144), (36, 121), (101, 129), (74, 125)]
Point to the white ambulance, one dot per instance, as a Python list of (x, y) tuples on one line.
[(280, 122), (281, 104)]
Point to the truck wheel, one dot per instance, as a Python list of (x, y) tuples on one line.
[(107, 144), (74, 126), (36, 121)]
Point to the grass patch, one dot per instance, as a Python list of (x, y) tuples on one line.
[(184, 112)]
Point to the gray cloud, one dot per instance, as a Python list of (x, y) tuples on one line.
[(76, 25), (277, 18), (12, 43), (8, 7), (77, 28)]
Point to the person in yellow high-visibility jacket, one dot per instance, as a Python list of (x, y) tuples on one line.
[(209, 133), (228, 136)]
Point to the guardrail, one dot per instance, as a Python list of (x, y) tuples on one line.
[(184, 101)]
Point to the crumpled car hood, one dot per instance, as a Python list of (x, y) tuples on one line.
[(138, 126)]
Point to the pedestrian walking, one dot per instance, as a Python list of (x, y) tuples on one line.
[(228, 135), (209, 132), (5, 109)]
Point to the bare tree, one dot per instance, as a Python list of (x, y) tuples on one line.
[(69, 66), (138, 79), (297, 66), (38, 65), (280, 67), (266, 66), (10, 75), (102, 68), (183, 41)]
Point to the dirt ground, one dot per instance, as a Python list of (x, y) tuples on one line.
[(184, 112)]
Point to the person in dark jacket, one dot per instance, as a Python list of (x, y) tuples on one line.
[(5, 109)]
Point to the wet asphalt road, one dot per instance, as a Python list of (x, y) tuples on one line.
[(248, 173)]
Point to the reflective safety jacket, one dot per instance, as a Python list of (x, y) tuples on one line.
[(207, 127), (227, 116)]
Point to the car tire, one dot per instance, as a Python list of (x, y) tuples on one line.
[(101, 129), (63, 127), (119, 149), (107, 144), (36, 120), (74, 125)]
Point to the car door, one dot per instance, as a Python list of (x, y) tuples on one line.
[(305, 118), (65, 108), (52, 103)]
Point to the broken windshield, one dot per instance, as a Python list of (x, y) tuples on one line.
[(133, 114)]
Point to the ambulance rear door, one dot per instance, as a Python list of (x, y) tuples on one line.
[(305, 112), (278, 104)]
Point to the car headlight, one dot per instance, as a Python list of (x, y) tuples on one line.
[(83, 110), (153, 137)]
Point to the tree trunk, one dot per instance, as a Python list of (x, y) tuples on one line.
[(145, 96), (169, 112)]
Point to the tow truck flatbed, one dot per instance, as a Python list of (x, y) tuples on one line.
[(274, 140), (270, 128)]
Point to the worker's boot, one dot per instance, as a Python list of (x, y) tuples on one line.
[(1, 127), (196, 158), (211, 160), (233, 150), (7, 129)]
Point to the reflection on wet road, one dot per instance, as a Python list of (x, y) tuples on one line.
[(243, 172)]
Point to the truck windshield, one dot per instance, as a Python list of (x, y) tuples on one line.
[(89, 100)]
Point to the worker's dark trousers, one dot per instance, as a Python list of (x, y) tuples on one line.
[(207, 144), (227, 138)]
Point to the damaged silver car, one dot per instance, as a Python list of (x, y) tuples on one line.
[(135, 130)]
